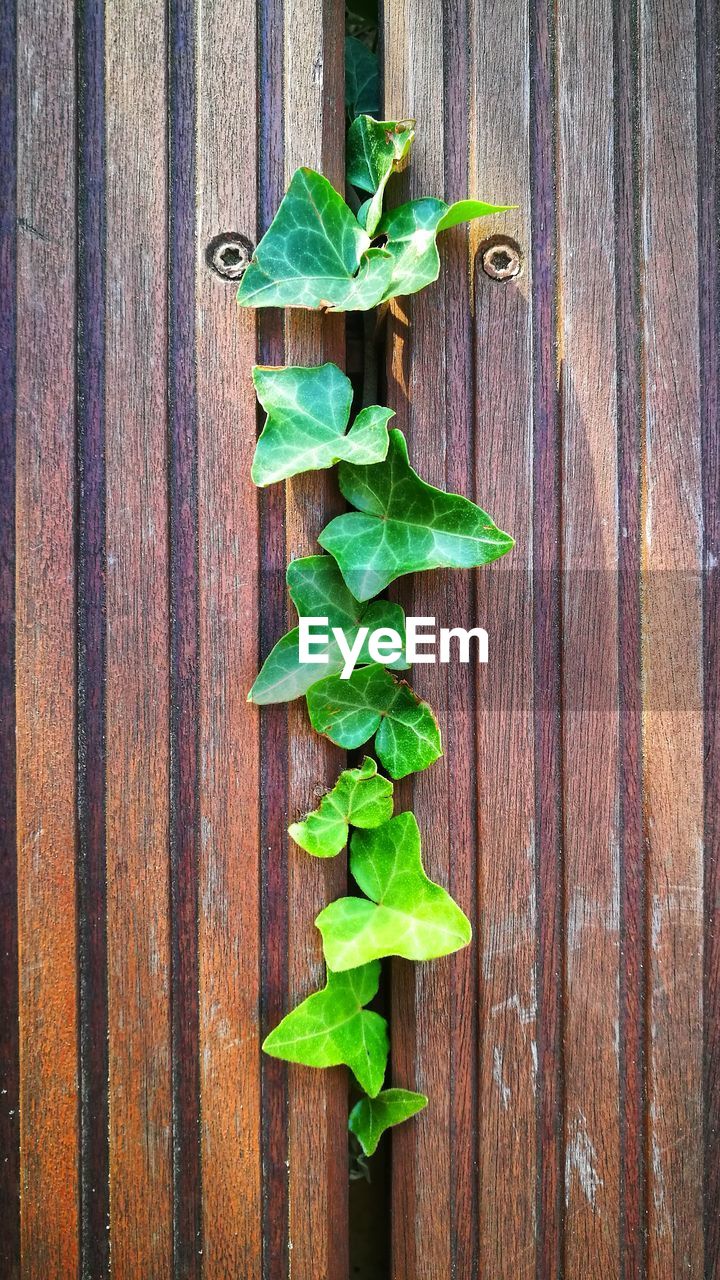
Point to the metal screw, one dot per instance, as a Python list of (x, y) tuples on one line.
[(501, 259), (228, 254)]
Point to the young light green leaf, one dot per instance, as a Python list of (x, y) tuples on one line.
[(362, 78), (307, 414), (408, 915), (371, 702), (370, 1117), (374, 149), (412, 231), (360, 797), (404, 525), (315, 254), (317, 590), (332, 1028)]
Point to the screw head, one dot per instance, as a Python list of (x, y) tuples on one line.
[(501, 259), (228, 254)]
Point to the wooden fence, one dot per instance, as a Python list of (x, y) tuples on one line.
[(155, 919)]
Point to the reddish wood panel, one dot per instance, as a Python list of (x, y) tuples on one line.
[(137, 780), (672, 640), (229, 604), (317, 1101), (156, 919), (590, 704), (45, 643)]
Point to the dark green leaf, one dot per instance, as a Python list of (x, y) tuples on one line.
[(371, 702), (404, 525), (374, 149), (362, 79), (317, 590), (307, 415)]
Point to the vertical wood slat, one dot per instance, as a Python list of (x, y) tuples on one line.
[(45, 641), (434, 1021), (138, 872), (590, 637), (506, 963), (229, 550), (672, 636), (9, 1044), (317, 1101)]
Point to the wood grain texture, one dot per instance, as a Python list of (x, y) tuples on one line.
[(507, 961), (589, 557), (317, 1101), (672, 637), (436, 1051), (137, 801), (9, 1043), (230, 552), (45, 642)]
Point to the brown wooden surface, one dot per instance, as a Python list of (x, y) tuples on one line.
[(156, 921)]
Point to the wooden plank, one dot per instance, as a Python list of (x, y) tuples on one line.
[(317, 1101), (435, 1046), (547, 658), (590, 637), (633, 900), (229, 1039), (45, 641), (137, 819), (9, 1045), (672, 636), (709, 281), (500, 159), (91, 577)]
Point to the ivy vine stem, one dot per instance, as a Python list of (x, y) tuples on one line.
[(325, 253)]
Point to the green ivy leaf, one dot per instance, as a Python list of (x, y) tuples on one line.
[(375, 148), (318, 591), (371, 702), (412, 231), (404, 525), (370, 1117), (408, 915), (362, 78), (307, 413), (315, 254), (360, 796), (332, 1028)]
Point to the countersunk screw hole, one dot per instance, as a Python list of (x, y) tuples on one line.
[(501, 258), (228, 254)]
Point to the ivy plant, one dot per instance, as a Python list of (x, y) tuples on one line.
[(403, 525), (370, 701), (321, 254), (370, 1117), (317, 590), (403, 914), (308, 411), (360, 796)]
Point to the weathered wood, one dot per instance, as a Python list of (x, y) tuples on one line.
[(45, 642), (9, 1042), (137, 784), (589, 557), (317, 1101), (229, 603), (503, 479), (672, 638)]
